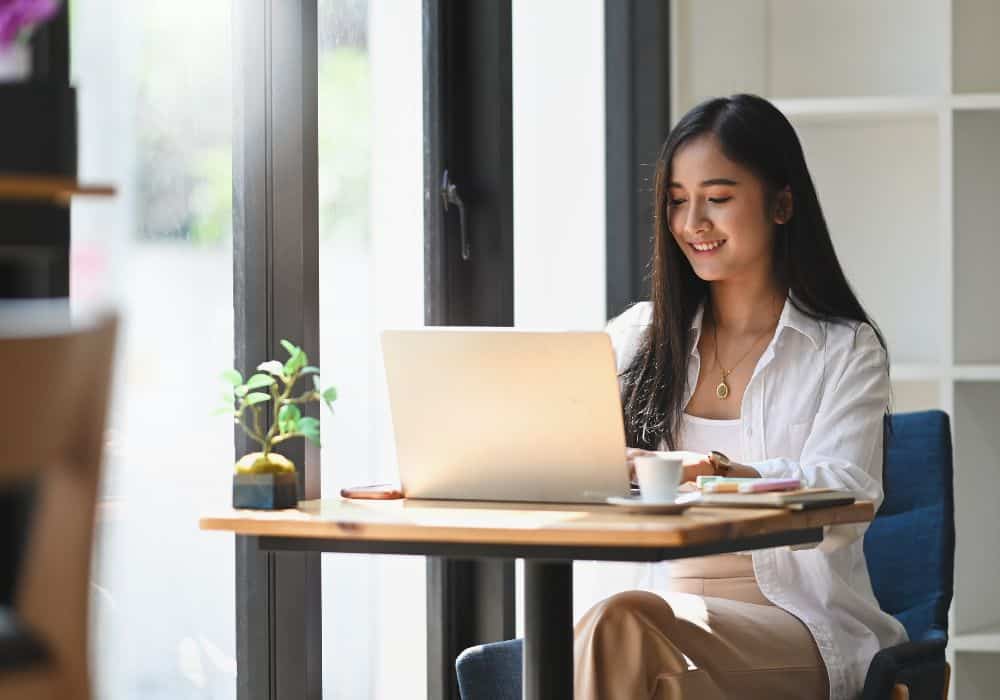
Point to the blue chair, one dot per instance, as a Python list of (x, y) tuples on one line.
[(491, 671), (910, 549)]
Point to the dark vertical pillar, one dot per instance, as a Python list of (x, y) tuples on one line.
[(276, 295), (38, 137), (637, 105), (468, 132)]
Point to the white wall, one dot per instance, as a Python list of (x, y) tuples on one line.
[(374, 618), (397, 216), (559, 221)]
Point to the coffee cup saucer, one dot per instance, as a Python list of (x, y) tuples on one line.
[(636, 504)]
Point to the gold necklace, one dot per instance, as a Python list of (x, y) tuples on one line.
[(722, 390)]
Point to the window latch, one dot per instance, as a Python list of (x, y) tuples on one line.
[(449, 195)]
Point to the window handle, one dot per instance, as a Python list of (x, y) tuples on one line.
[(449, 195)]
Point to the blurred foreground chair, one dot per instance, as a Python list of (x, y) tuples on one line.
[(53, 406), (910, 550)]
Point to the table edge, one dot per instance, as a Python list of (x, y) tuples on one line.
[(331, 529)]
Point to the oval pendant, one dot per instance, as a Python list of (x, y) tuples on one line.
[(722, 391)]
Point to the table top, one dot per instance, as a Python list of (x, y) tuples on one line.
[(483, 522)]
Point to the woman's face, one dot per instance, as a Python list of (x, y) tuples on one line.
[(719, 214)]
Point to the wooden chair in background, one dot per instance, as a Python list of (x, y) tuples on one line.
[(56, 377)]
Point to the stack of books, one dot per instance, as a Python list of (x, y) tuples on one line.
[(767, 493)]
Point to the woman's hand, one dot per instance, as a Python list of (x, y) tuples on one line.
[(695, 463)]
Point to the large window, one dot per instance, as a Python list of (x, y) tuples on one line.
[(155, 115), (371, 277)]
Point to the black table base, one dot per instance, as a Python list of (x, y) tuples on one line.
[(548, 586), (548, 629)]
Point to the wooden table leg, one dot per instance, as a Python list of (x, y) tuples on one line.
[(548, 629)]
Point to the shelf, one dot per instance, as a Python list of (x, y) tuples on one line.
[(862, 169), (833, 108), (977, 528), (908, 395), (985, 640), (980, 101), (809, 49), (852, 107), (975, 26), (976, 373), (975, 676), (977, 231), (904, 372), (47, 188)]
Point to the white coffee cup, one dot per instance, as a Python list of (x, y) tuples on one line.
[(658, 477)]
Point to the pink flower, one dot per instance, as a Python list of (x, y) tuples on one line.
[(15, 15)]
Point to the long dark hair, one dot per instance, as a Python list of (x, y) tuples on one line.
[(755, 134)]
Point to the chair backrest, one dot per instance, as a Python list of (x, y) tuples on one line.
[(57, 376), (910, 546)]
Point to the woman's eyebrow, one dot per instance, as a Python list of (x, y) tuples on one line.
[(709, 183)]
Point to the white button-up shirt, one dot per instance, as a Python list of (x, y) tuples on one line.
[(813, 410)]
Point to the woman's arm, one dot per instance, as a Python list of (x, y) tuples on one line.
[(695, 463)]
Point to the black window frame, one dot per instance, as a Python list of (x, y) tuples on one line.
[(468, 132), (637, 109), (276, 295)]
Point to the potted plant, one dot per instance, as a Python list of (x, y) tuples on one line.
[(266, 479)]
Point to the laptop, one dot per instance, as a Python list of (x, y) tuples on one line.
[(504, 414)]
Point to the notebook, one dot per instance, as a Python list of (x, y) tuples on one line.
[(801, 499)]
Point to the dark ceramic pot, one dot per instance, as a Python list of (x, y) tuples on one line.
[(266, 491)]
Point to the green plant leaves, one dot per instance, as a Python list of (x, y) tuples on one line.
[(262, 386), (295, 363), (256, 397), (288, 419), (259, 380), (329, 396), (296, 360), (309, 427), (271, 367)]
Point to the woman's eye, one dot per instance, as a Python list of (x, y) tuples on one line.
[(677, 202), (719, 200)]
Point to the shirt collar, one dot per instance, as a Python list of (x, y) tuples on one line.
[(791, 317)]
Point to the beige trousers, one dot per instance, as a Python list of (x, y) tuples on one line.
[(712, 636)]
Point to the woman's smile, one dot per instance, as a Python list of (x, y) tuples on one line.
[(707, 247)]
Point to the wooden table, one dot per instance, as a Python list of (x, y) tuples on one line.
[(548, 537)]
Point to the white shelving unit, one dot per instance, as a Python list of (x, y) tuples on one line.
[(897, 104)]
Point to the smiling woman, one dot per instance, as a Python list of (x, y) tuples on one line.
[(736, 213), (742, 253), (706, 214)]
